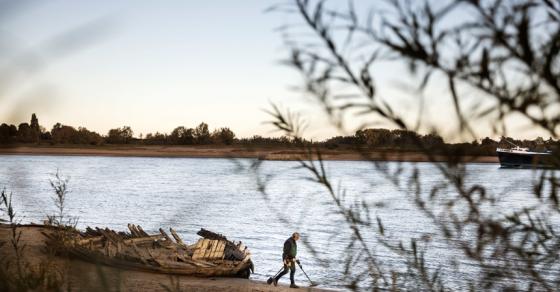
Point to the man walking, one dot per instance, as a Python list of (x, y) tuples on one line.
[(289, 258)]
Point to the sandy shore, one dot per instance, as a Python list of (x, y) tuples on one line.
[(85, 276), (225, 152)]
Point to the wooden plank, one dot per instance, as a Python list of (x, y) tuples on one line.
[(197, 263), (165, 235), (217, 244), (141, 240), (222, 250), (213, 249), (176, 236), (208, 249), (140, 256), (160, 263), (200, 249), (132, 230), (142, 232), (218, 251), (137, 232), (110, 235)]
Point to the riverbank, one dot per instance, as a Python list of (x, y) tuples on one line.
[(84, 276), (264, 153)]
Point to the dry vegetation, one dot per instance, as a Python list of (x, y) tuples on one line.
[(497, 60)]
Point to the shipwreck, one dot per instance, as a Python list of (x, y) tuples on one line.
[(212, 255)]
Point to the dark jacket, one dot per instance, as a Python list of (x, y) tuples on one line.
[(290, 249)]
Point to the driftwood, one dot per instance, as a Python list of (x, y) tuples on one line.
[(212, 255)]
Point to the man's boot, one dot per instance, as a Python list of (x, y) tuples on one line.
[(293, 285)]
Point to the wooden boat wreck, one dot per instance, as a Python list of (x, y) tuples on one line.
[(212, 255)]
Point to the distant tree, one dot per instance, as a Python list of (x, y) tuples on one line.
[(84, 136), (175, 136), (127, 133), (62, 134), (35, 128), (487, 141), (56, 127), (114, 137), (156, 139), (258, 140), (188, 137), (182, 136), (223, 136), (404, 138), (45, 136), (35, 123), (539, 140), (375, 137), (25, 133), (432, 140), (120, 135), (334, 142), (5, 136), (253, 140), (13, 131), (202, 134)]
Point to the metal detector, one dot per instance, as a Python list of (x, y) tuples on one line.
[(313, 284), (269, 281)]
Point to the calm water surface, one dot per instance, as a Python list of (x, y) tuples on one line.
[(188, 194)]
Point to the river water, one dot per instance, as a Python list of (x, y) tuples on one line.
[(223, 195)]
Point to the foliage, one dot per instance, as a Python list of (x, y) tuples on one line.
[(507, 52), (59, 184), (120, 135), (62, 134), (223, 136), (16, 272), (179, 136)]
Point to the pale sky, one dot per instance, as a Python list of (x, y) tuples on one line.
[(154, 65)]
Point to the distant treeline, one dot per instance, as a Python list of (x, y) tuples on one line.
[(382, 139), (411, 141)]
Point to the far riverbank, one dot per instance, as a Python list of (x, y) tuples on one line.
[(235, 151)]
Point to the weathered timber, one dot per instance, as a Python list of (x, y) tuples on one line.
[(176, 237), (143, 240), (133, 230), (211, 235), (214, 256), (142, 232), (208, 249), (231, 250), (165, 235)]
